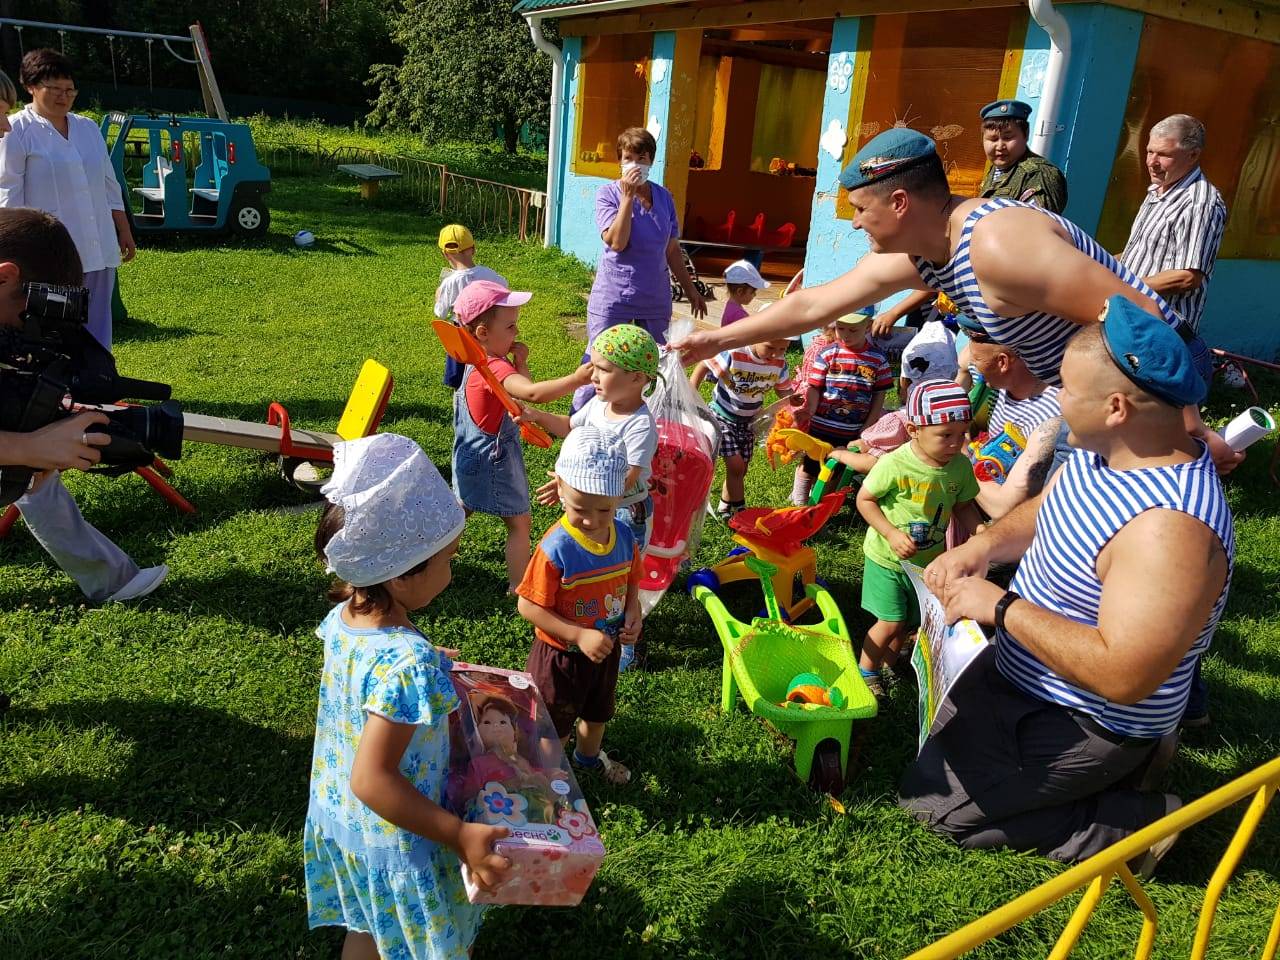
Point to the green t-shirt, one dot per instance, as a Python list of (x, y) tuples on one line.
[(910, 491)]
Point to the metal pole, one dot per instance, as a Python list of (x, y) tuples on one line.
[(67, 27)]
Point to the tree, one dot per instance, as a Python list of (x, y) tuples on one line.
[(469, 66), (309, 49)]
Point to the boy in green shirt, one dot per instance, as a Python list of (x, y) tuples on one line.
[(907, 500)]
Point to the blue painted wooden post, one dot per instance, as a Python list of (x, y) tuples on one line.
[(660, 72), (834, 246), (1104, 44)]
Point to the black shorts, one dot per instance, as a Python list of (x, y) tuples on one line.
[(573, 686)]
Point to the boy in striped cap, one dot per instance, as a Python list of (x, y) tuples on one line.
[(581, 593), (907, 500)]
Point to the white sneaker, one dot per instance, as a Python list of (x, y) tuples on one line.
[(143, 583)]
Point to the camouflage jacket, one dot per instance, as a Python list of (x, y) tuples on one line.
[(1034, 179)]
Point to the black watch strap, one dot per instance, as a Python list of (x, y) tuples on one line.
[(1002, 606)]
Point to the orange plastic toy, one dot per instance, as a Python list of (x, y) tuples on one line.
[(775, 535), (775, 447), (463, 347)]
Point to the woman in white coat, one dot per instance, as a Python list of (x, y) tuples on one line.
[(55, 160)]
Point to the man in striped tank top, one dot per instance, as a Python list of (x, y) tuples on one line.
[(1054, 737), (1030, 277), (1023, 401)]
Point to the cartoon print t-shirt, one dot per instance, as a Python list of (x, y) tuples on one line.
[(918, 500), (582, 580)]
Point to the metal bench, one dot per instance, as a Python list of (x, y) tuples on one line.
[(370, 176)]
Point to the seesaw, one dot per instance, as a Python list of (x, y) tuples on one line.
[(297, 449)]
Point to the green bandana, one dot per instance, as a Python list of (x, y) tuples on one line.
[(630, 348)]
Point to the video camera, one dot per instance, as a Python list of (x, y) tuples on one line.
[(52, 357)]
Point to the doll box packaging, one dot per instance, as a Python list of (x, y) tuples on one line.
[(507, 768)]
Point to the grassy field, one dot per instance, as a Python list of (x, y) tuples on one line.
[(153, 767)]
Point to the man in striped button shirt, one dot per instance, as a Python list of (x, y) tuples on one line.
[(1174, 241)]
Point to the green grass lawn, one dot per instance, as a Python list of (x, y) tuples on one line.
[(154, 766)]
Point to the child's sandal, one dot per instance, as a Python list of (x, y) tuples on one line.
[(613, 771), (872, 680)]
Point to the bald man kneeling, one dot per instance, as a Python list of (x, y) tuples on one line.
[(1049, 741)]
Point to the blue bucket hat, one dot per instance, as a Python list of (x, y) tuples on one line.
[(885, 154), (1150, 353)]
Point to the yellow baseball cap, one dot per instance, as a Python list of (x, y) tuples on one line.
[(454, 238)]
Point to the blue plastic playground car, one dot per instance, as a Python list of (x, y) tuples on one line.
[(192, 174)]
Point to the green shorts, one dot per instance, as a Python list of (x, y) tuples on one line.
[(888, 595)]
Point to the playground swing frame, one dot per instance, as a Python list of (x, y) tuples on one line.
[(213, 104)]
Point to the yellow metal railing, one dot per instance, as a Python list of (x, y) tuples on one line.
[(1096, 874)]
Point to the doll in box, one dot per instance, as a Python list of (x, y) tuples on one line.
[(503, 765)]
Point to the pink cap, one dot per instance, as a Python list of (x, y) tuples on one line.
[(479, 295)]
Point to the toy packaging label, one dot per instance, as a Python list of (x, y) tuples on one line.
[(507, 768)]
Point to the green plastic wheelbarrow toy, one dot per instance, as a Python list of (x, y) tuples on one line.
[(761, 661)]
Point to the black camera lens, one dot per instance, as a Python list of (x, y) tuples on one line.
[(140, 434)]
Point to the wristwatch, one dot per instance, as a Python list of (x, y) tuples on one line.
[(1002, 605)]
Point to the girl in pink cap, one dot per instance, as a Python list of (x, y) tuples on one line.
[(488, 464)]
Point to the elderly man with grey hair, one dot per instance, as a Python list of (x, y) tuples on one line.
[(1173, 243)]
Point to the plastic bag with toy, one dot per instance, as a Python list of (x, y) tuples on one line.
[(683, 469)]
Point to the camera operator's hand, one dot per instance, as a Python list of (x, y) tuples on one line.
[(62, 445)]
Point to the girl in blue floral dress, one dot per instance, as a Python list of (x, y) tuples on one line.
[(382, 856)]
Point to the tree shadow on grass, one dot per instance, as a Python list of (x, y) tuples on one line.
[(768, 914), (286, 599), (1253, 593), (341, 246), (731, 769), (188, 766), (150, 910), (609, 922)]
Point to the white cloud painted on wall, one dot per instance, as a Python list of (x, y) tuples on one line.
[(833, 139)]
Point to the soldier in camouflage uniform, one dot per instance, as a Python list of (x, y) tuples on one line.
[(1016, 172)]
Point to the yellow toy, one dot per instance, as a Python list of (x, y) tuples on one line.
[(946, 306), (784, 441)]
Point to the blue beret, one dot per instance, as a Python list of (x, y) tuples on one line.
[(885, 154), (972, 326), (1150, 353), (1005, 110)]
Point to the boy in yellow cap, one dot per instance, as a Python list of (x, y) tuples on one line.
[(459, 250)]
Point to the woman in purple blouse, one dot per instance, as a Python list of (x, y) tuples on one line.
[(637, 221)]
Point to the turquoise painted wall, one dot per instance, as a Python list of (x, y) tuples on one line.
[(660, 72), (1240, 314), (576, 232), (834, 245)]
